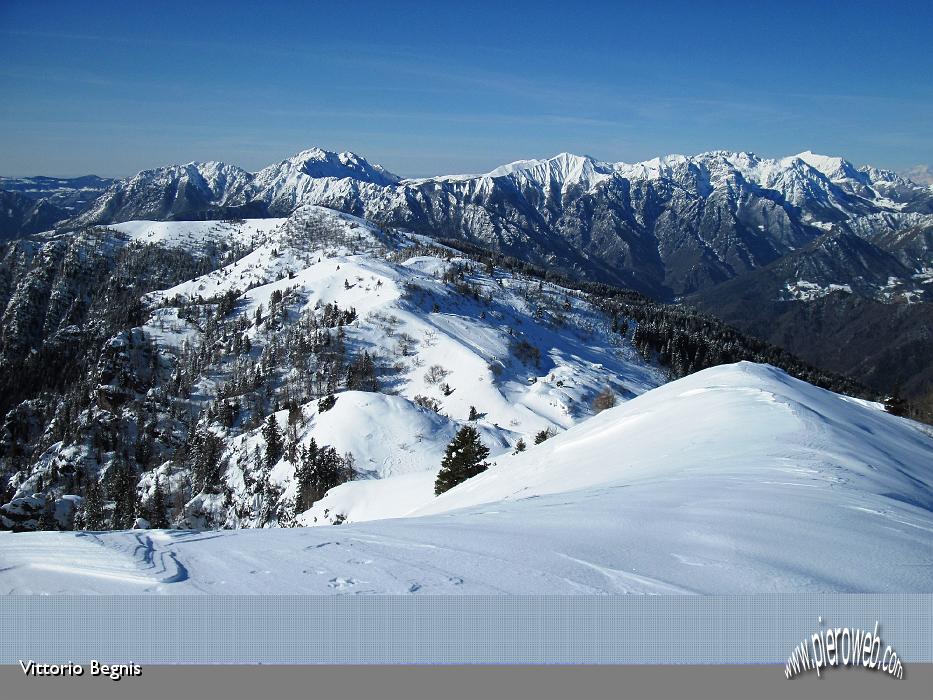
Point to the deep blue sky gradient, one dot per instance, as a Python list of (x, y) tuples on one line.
[(428, 88)]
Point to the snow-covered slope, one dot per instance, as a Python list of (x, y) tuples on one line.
[(415, 324), (285, 311), (199, 236), (736, 479), (785, 432)]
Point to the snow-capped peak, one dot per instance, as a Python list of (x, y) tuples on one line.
[(563, 160), (206, 169), (319, 163), (566, 168), (651, 169), (833, 167)]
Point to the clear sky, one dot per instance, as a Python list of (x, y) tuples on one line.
[(442, 87)]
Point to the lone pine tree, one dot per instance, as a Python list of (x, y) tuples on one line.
[(463, 459), (91, 514), (158, 518), (273, 437), (305, 473), (123, 492)]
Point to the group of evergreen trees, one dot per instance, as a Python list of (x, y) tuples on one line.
[(94, 513), (318, 470), (362, 373), (688, 341)]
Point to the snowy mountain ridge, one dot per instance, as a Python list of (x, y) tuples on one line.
[(775, 411), (564, 168), (667, 226), (318, 163)]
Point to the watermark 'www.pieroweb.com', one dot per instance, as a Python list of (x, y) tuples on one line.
[(843, 646)]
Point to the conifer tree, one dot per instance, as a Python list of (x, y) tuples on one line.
[(329, 469), (463, 459), (47, 519), (273, 438), (123, 492), (326, 403), (306, 493), (91, 513), (896, 404), (158, 518), (205, 458), (361, 373)]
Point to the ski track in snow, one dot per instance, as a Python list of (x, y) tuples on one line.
[(134, 559)]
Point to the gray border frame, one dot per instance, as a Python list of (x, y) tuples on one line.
[(754, 629), (469, 683)]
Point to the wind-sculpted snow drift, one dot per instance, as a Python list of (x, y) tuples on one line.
[(735, 479)]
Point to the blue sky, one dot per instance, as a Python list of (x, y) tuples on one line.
[(429, 88)]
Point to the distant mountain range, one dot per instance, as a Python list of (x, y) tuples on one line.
[(71, 194), (921, 174), (762, 242), (33, 204), (668, 227)]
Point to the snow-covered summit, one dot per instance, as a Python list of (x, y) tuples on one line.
[(744, 421), (833, 167), (165, 192), (215, 175), (317, 163), (562, 168), (316, 176)]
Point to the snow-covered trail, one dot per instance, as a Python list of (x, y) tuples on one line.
[(737, 479)]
